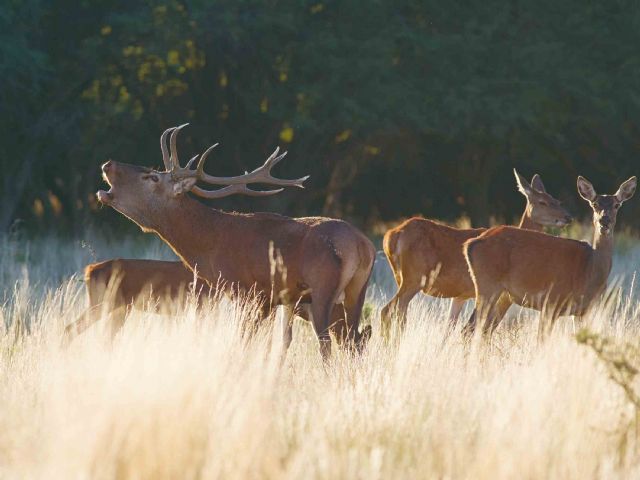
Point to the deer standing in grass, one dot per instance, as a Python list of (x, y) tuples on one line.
[(325, 263), (427, 255), (557, 276), (116, 286)]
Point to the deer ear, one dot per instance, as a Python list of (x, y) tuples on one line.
[(626, 190), (586, 190), (183, 186), (523, 185), (536, 183)]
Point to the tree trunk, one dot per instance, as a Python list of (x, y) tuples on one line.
[(477, 179)]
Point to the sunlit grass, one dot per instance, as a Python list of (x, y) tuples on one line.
[(193, 395)]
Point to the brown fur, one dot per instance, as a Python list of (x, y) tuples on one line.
[(427, 256), (325, 261), (556, 275), (114, 286)]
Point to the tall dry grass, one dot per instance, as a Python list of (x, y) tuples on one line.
[(193, 396)]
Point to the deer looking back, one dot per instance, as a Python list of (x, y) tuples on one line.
[(325, 262), (561, 276), (427, 255)]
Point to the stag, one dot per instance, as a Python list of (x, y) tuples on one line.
[(322, 262)]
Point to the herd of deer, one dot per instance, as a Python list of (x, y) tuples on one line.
[(324, 264)]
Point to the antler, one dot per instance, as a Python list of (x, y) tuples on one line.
[(163, 146), (234, 185)]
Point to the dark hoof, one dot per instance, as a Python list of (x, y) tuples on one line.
[(365, 336)]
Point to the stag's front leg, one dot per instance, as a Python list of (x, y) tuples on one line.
[(454, 310), (286, 327)]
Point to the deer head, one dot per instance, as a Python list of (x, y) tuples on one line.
[(605, 207), (145, 195), (542, 208)]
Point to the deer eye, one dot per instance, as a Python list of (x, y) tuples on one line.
[(543, 203), (153, 177), (616, 206)]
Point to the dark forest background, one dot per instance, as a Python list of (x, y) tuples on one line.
[(395, 107)]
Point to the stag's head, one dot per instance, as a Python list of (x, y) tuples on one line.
[(542, 207), (605, 207), (145, 195)]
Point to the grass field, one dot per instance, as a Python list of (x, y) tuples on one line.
[(191, 396)]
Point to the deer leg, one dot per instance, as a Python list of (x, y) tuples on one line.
[(320, 314), (117, 320), (258, 317), (454, 310), (485, 312), (547, 322), (496, 314), (338, 325), (355, 295), (286, 327), (84, 321), (325, 291), (347, 317), (398, 305)]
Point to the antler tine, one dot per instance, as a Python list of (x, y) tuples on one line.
[(261, 174), (163, 146), (237, 189), (174, 161), (203, 158), (271, 157), (190, 162), (274, 158)]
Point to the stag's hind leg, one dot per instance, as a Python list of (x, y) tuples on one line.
[(348, 327), (325, 292), (321, 308)]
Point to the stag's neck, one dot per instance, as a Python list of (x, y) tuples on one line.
[(527, 222), (192, 230)]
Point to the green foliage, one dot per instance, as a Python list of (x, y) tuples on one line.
[(620, 359), (394, 108)]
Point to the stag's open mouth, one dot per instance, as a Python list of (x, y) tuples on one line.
[(104, 196)]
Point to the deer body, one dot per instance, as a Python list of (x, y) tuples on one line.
[(324, 262), (427, 256), (114, 286), (558, 275), (579, 271), (322, 257), (418, 246)]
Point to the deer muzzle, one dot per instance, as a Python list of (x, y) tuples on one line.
[(104, 196)]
